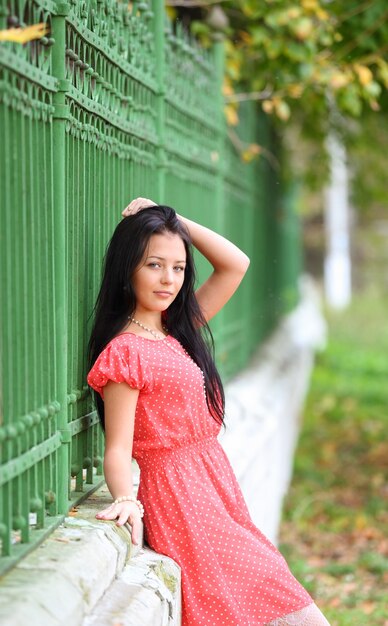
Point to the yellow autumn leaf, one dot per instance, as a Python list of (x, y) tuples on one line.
[(282, 110), (322, 15), (339, 79), (368, 607), (24, 35), (313, 6), (267, 106), (172, 13), (246, 37), (292, 13), (310, 5), (231, 115), (361, 521), (250, 152), (227, 88), (247, 155), (364, 74), (302, 28), (295, 90)]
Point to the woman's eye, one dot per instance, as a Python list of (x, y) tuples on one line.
[(153, 264), (178, 268)]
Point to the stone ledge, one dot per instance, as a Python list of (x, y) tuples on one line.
[(81, 575), (147, 592)]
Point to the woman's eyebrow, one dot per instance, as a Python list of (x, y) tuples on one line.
[(161, 258)]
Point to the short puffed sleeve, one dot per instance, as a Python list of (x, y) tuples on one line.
[(119, 362)]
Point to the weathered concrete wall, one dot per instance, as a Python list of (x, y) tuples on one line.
[(86, 574), (263, 407)]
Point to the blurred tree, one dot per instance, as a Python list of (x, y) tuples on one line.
[(318, 53), (316, 64)]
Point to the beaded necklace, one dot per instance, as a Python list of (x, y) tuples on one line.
[(159, 336), (149, 330)]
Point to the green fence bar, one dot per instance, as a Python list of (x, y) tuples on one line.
[(30, 405), (59, 287), (114, 102)]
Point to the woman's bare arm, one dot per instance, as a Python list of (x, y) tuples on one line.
[(229, 266), (120, 405)]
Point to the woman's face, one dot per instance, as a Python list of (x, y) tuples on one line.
[(160, 275)]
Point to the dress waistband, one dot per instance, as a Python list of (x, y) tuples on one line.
[(146, 458)]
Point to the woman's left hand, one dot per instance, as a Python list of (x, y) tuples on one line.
[(123, 512), (137, 205)]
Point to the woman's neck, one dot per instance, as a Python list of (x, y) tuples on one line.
[(149, 319)]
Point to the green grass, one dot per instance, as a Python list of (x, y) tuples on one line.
[(334, 531)]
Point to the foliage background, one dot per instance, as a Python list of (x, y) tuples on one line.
[(335, 519), (311, 65)]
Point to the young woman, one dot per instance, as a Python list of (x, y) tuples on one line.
[(160, 400)]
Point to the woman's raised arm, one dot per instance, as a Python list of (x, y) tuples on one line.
[(229, 266)]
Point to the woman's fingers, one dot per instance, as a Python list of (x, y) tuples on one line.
[(123, 513), (136, 205), (136, 529), (107, 513), (134, 520), (111, 512)]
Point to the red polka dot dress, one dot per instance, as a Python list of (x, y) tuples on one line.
[(194, 510)]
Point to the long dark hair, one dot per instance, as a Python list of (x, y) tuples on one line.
[(183, 318)]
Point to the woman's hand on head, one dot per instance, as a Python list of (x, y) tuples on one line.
[(123, 512), (137, 205)]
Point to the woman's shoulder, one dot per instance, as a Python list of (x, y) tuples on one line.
[(122, 360), (125, 340), (125, 336)]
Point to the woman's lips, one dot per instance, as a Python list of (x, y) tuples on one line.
[(163, 294)]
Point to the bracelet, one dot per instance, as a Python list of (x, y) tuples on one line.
[(131, 499)]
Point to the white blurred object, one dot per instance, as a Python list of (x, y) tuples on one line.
[(306, 325), (337, 269)]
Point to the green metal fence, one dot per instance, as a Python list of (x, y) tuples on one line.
[(112, 104)]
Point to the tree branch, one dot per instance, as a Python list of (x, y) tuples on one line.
[(348, 47), (192, 3), (241, 146), (252, 95), (362, 7)]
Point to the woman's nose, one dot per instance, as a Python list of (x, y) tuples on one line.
[(167, 276)]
